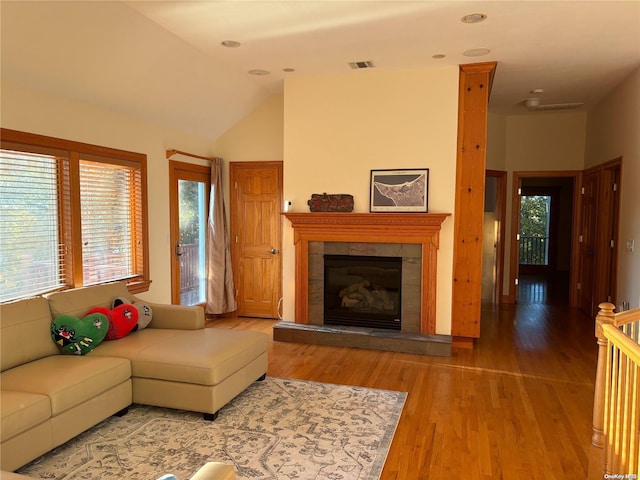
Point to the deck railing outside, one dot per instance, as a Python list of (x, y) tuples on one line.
[(616, 410), (190, 274), (534, 250)]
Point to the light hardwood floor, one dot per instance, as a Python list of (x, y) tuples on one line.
[(516, 406)]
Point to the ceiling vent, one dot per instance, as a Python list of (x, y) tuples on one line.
[(534, 105), (360, 65)]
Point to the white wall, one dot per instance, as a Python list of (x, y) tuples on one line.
[(546, 141), (257, 137), (39, 112), (496, 142), (613, 128), (338, 128)]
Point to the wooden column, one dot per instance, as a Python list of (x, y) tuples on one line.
[(475, 88)]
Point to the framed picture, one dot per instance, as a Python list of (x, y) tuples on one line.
[(400, 190)]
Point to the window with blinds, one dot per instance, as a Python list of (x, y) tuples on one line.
[(31, 252), (110, 200), (71, 214)]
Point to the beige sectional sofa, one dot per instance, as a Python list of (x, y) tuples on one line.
[(47, 398)]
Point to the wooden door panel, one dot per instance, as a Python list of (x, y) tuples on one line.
[(255, 226), (588, 232)]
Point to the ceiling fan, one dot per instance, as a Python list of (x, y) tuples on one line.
[(534, 105)]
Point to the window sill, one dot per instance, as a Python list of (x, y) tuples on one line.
[(138, 286)]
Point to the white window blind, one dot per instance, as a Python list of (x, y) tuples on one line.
[(111, 218), (31, 253)]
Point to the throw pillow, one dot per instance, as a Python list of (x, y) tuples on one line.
[(145, 315), (79, 336), (123, 320), (120, 301)]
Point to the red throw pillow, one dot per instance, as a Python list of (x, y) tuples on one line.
[(103, 310), (123, 320)]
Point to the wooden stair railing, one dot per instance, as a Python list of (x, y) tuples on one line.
[(615, 444)]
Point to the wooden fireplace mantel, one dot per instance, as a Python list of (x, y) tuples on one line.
[(417, 228)]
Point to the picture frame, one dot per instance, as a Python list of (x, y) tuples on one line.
[(399, 190)]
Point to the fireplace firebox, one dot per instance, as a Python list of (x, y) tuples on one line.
[(363, 291)]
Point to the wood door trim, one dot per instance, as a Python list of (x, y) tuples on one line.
[(515, 223), (174, 230)]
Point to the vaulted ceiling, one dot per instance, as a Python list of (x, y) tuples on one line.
[(163, 60)]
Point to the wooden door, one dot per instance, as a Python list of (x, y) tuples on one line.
[(588, 242), (256, 199), (608, 218)]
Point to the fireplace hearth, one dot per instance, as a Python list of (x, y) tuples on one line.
[(413, 237), (363, 291)]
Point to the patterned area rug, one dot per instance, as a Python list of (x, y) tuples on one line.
[(276, 429)]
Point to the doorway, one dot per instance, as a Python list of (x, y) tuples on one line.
[(256, 231), (495, 199), (599, 223), (543, 247), (189, 203)]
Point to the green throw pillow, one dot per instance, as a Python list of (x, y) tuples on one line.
[(79, 336)]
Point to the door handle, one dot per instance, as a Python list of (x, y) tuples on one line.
[(178, 249), (273, 251)]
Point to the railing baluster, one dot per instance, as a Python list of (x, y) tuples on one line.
[(616, 412), (621, 401)]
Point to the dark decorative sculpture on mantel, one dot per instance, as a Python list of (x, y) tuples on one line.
[(337, 202)]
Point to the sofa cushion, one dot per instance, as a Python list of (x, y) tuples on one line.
[(204, 357), (68, 380), (22, 411), (24, 336), (78, 336), (78, 301)]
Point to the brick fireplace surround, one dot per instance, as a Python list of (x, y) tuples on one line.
[(420, 229)]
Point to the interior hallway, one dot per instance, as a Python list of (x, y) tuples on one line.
[(551, 289), (516, 406)]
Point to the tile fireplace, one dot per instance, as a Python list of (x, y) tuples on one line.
[(328, 233)]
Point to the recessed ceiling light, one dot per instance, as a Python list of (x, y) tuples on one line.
[(438, 56), (362, 64), (474, 18), (230, 43), (536, 90), (476, 52), (288, 69), (259, 72)]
